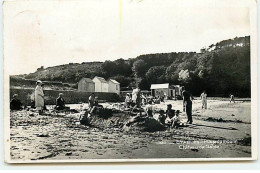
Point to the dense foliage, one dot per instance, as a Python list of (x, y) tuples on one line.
[(220, 69)]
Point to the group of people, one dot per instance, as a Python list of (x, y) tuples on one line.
[(38, 100), (139, 99), (135, 100), (171, 117)]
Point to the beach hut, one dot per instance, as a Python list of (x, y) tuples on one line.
[(101, 85), (162, 90), (170, 91), (113, 86), (86, 85)]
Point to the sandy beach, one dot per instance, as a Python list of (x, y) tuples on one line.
[(221, 131)]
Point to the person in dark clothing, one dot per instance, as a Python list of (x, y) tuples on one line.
[(32, 104), (170, 112), (15, 103), (162, 117), (60, 103), (187, 105)]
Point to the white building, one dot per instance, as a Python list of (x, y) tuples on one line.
[(166, 90), (86, 85), (101, 85), (113, 86)]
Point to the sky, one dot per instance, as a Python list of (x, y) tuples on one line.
[(49, 33)]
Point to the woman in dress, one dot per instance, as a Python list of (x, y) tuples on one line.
[(39, 97)]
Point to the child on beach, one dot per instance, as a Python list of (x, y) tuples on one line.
[(176, 119), (170, 114)]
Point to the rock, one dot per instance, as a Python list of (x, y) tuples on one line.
[(42, 135), (68, 154), (31, 114)]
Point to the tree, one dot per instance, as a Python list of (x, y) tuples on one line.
[(172, 74), (139, 68), (156, 74), (184, 76)]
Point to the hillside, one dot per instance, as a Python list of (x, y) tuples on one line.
[(70, 73), (221, 69)]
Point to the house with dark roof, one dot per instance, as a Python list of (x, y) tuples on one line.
[(86, 85)]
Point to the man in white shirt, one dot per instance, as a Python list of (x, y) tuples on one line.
[(203, 97)]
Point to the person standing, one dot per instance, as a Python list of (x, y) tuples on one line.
[(136, 97), (203, 97), (187, 104), (39, 97), (232, 98)]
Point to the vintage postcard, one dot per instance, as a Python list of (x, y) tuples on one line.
[(130, 80)]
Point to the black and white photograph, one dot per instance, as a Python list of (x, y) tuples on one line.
[(129, 80)]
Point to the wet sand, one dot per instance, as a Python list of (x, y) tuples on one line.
[(221, 131)]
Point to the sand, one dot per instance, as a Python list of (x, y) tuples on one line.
[(221, 131)]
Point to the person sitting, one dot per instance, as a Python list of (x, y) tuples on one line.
[(149, 109), (127, 100), (161, 117), (92, 103), (15, 103), (169, 115), (60, 103), (176, 119)]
